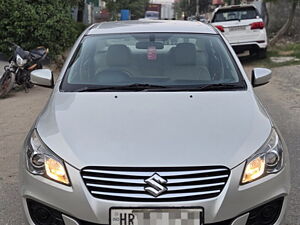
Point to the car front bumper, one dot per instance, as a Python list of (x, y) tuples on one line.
[(233, 205)]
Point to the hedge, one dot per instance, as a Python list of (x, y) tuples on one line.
[(32, 23)]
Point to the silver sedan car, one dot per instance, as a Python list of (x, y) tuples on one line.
[(153, 123)]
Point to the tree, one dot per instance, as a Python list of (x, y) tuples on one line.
[(265, 13), (177, 9), (137, 7), (189, 6), (285, 28), (32, 23), (232, 2)]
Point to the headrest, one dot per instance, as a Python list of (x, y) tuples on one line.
[(244, 17), (118, 55), (185, 54), (200, 45)]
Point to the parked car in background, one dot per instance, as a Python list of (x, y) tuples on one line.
[(192, 18), (200, 18), (160, 10), (154, 122), (153, 11), (152, 15), (243, 28)]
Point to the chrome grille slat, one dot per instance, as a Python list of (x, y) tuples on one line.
[(141, 188), (128, 184), (148, 174), (138, 181), (165, 196)]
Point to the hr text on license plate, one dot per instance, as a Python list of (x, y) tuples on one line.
[(156, 216)]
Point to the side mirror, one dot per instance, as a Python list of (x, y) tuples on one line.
[(42, 77), (260, 76)]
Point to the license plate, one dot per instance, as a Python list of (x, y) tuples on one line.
[(156, 216), (237, 28)]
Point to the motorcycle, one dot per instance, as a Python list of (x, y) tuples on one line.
[(21, 64)]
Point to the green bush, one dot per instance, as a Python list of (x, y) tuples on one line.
[(32, 23)]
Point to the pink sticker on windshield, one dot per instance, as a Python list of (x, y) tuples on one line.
[(152, 53)]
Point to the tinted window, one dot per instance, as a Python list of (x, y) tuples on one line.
[(168, 59), (235, 14), (152, 14)]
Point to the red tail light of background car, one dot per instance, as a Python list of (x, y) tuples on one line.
[(221, 28), (257, 25)]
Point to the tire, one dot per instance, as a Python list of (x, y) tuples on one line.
[(6, 83), (39, 66), (29, 85), (262, 53)]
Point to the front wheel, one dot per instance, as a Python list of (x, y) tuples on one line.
[(6, 83)]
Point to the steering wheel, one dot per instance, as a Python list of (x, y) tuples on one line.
[(113, 75)]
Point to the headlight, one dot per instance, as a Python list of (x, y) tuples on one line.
[(40, 160), (267, 160), (20, 61)]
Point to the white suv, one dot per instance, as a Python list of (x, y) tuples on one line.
[(243, 28)]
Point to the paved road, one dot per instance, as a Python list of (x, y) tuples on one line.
[(18, 111)]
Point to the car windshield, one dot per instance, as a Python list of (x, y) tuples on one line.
[(224, 15), (153, 62), (152, 14)]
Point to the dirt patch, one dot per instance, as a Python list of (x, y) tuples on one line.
[(283, 59)]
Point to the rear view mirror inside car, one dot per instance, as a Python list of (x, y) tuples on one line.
[(147, 44)]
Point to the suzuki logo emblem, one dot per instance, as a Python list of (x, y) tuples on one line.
[(155, 182)]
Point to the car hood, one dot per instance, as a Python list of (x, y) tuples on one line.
[(154, 129)]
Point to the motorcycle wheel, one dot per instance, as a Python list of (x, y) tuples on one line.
[(6, 83), (39, 66), (29, 84)]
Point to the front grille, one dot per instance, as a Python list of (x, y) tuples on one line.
[(182, 183)]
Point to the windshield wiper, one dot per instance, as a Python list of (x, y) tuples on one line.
[(206, 87), (221, 86), (151, 87), (131, 87)]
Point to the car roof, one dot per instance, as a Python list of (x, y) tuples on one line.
[(145, 26), (235, 7)]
